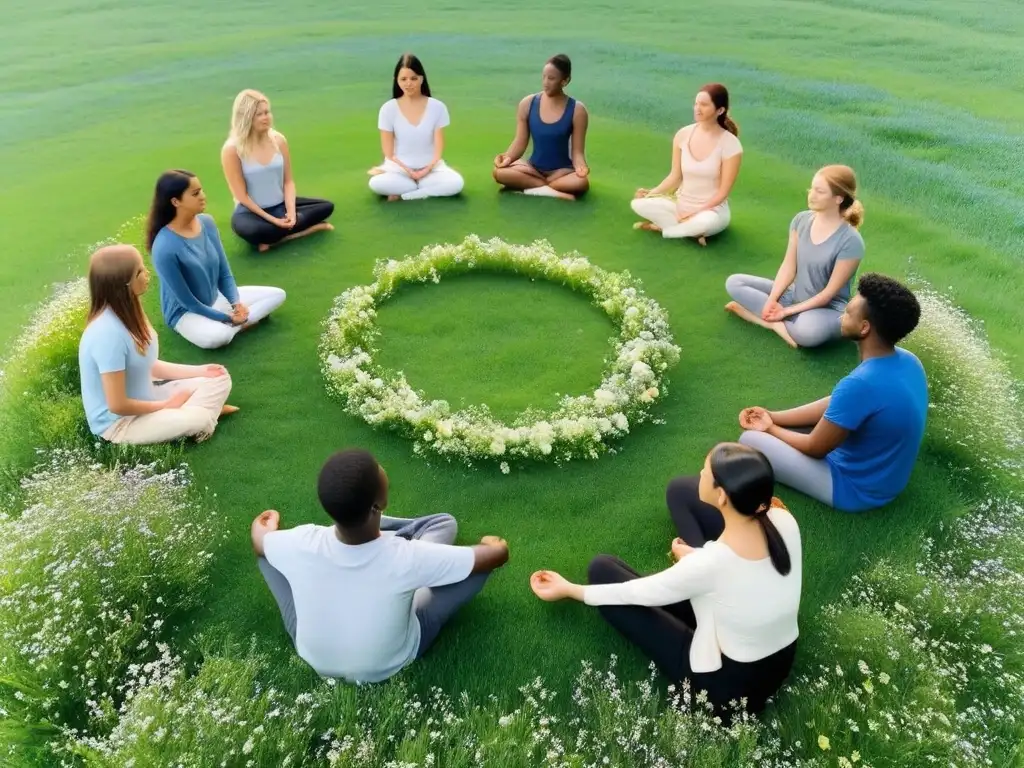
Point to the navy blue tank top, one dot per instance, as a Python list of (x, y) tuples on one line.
[(551, 140)]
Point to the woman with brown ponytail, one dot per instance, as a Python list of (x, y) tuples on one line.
[(724, 616), (806, 300), (693, 200)]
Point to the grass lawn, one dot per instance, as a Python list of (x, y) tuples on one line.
[(98, 100)]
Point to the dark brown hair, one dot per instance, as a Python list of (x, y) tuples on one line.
[(719, 96), (409, 61)]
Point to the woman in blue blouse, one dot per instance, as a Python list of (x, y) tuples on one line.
[(557, 124), (198, 295)]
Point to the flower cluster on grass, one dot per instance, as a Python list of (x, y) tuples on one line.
[(581, 427), (93, 571)]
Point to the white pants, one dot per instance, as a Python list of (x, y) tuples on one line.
[(196, 418), (663, 212), (440, 182), (211, 334)]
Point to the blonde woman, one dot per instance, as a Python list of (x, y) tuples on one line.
[(258, 168), (805, 301), (119, 363), (693, 200)]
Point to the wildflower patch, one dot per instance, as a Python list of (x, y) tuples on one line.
[(581, 427)]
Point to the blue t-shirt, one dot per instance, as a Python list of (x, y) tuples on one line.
[(192, 271), (883, 402), (107, 347)]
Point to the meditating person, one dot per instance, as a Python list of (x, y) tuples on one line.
[(705, 162), (368, 595), (257, 164), (130, 395), (198, 295), (557, 125), (412, 127), (724, 616), (804, 303), (855, 450)]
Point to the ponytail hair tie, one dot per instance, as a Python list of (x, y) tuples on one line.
[(761, 510)]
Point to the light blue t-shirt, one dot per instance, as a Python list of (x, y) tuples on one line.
[(107, 347), (192, 270), (883, 402)]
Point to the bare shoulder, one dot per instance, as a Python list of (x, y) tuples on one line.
[(280, 139), (581, 108), (683, 132), (524, 103), (229, 151)]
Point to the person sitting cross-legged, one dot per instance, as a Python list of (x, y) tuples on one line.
[(855, 450), (365, 597), (724, 615)]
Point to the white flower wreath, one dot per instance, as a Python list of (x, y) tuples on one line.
[(579, 428)]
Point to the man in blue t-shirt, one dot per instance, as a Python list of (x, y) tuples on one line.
[(855, 449)]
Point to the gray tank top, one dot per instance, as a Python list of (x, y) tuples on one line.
[(265, 183)]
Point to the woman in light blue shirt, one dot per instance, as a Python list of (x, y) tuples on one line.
[(118, 358), (198, 295), (258, 167)]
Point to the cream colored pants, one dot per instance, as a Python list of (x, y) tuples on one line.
[(196, 418), (663, 212)]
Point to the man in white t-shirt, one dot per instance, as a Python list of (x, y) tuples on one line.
[(365, 597)]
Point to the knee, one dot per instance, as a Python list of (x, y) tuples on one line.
[(602, 570), (637, 204), (215, 338), (808, 334), (681, 488), (733, 283), (455, 183), (197, 421), (379, 184), (448, 524)]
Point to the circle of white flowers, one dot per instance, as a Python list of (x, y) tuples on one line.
[(581, 427)]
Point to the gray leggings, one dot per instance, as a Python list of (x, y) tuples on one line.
[(810, 328), (433, 606), (812, 477)]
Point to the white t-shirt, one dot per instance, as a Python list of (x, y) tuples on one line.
[(702, 177), (353, 604), (745, 609), (414, 144)]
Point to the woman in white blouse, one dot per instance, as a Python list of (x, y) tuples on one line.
[(724, 616), (412, 127), (693, 200)]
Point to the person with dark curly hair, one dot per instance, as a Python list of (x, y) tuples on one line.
[(855, 449)]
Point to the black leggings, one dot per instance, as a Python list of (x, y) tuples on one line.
[(255, 230), (666, 633)]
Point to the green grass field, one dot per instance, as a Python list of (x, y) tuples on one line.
[(98, 99)]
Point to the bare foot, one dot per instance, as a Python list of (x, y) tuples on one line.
[(702, 240), (563, 195), (327, 226), (226, 410), (263, 248), (647, 226), (732, 306), (780, 328), (393, 198)]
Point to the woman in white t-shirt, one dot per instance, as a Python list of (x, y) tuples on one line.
[(412, 139), (705, 163), (724, 616)]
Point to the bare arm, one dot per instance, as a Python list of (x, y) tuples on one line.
[(823, 439), (438, 149), (803, 416), (841, 274), (164, 371), (675, 177), (232, 166), (489, 555), (730, 170), (387, 146), (522, 138), (787, 270), (578, 141), (289, 180), (116, 392)]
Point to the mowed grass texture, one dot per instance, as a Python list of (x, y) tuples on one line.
[(98, 100)]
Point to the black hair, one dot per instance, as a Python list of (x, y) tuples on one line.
[(892, 308), (561, 62), (747, 477), (349, 486), (170, 186), (409, 61)]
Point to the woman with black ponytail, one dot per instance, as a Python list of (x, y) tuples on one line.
[(724, 615)]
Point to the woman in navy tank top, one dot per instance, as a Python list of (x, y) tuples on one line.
[(557, 124)]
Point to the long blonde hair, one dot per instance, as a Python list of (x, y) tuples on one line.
[(111, 271), (842, 182), (243, 111)]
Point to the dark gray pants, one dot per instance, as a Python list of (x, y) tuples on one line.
[(433, 606)]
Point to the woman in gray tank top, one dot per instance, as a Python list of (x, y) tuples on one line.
[(804, 302), (257, 166)]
